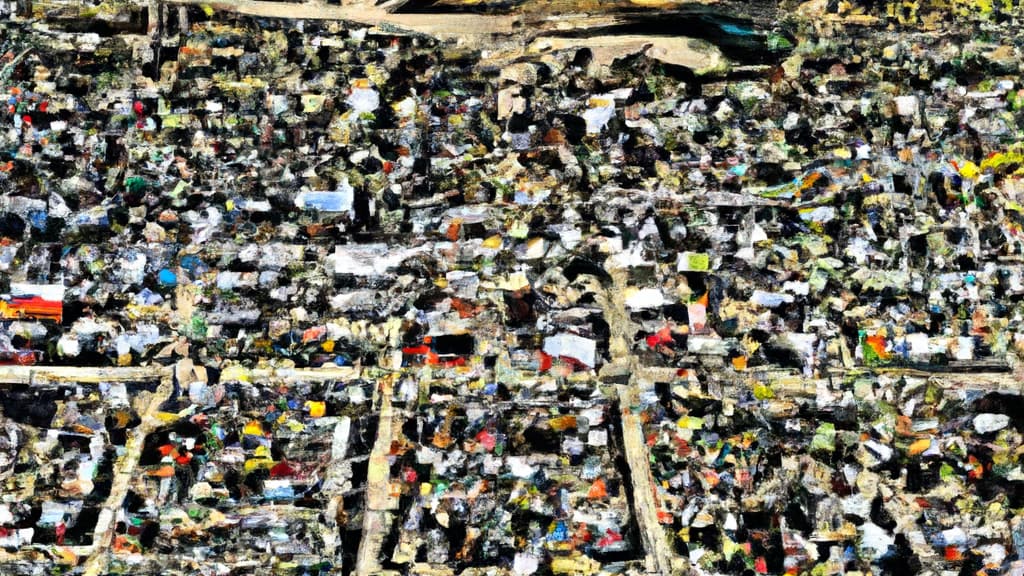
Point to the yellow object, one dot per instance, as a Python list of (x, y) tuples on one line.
[(691, 422), (560, 423), (729, 548), (258, 463), (253, 428), (316, 409), (919, 446), (694, 262), (234, 373), (575, 565), (1009, 158), (970, 170), (167, 417), (66, 556), (763, 392)]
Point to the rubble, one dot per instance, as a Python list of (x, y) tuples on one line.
[(689, 289)]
